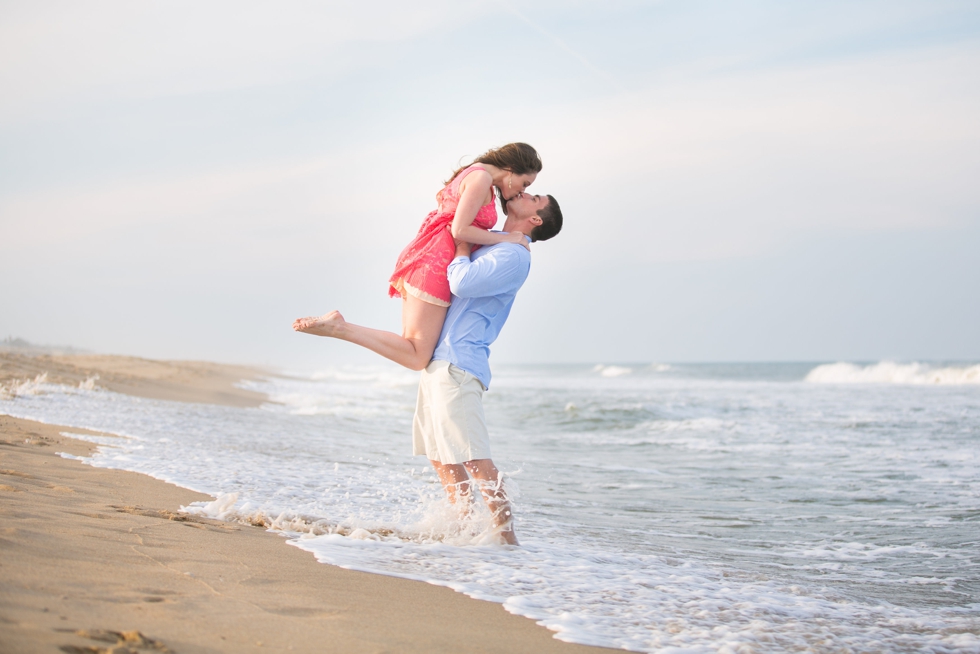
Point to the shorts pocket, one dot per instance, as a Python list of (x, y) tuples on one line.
[(458, 375)]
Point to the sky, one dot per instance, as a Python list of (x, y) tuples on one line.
[(741, 181)]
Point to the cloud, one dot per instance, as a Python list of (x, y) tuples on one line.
[(739, 164), (281, 209), (54, 51), (706, 168)]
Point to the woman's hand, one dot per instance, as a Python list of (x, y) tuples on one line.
[(516, 237), (475, 236), (463, 249)]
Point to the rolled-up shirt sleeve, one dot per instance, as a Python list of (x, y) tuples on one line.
[(502, 270)]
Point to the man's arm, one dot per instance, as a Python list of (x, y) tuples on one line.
[(500, 271)]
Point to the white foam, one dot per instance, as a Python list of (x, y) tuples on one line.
[(89, 383), (222, 508), (353, 391), (888, 372), (375, 375), (649, 603), (694, 424), (20, 388), (612, 371), (854, 551)]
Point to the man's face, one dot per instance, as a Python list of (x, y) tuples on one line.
[(525, 205)]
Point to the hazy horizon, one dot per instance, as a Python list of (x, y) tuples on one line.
[(15, 344), (741, 182)]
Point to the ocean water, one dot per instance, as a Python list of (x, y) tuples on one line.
[(661, 508)]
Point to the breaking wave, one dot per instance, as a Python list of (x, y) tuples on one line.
[(888, 372), (23, 387), (612, 371)]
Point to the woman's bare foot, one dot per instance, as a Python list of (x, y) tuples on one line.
[(329, 324)]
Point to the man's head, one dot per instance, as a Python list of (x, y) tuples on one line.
[(538, 216)]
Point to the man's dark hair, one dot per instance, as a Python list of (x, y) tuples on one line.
[(550, 221)]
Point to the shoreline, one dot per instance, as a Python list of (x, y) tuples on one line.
[(178, 381), (93, 555)]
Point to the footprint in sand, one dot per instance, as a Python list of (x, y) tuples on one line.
[(120, 642), (16, 473)]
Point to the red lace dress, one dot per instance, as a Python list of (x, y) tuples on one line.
[(421, 267)]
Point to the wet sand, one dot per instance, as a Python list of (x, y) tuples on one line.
[(95, 560)]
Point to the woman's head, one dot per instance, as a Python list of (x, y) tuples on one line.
[(518, 159)]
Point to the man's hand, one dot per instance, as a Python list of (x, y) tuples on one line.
[(463, 249)]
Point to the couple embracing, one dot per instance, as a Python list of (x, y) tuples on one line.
[(455, 299)]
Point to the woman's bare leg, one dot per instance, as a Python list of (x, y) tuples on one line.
[(421, 326)]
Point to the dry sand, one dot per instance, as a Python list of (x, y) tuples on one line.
[(95, 560), (180, 381)]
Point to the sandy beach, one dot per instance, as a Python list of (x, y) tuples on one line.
[(97, 560), (180, 381)]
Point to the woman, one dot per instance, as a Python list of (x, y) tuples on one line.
[(466, 212)]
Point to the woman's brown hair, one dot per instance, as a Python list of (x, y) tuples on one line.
[(518, 158)]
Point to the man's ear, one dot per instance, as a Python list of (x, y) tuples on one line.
[(535, 219)]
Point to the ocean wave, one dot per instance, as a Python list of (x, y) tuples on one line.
[(368, 375), (349, 392), (888, 372), (23, 387), (612, 371), (436, 521), (693, 424)]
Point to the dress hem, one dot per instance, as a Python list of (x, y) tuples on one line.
[(404, 288)]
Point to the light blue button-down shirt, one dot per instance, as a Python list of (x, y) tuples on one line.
[(483, 289)]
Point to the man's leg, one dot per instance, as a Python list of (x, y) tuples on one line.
[(449, 418), (454, 479), (495, 497)]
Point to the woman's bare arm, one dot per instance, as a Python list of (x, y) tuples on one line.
[(473, 192)]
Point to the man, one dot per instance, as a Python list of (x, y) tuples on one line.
[(449, 426)]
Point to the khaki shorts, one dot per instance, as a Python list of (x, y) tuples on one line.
[(449, 426)]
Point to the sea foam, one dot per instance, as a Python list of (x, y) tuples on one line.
[(21, 387), (612, 371), (888, 372)]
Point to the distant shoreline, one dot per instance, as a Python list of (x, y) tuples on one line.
[(181, 381)]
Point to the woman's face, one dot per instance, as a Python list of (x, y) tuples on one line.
[(514, 185)]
